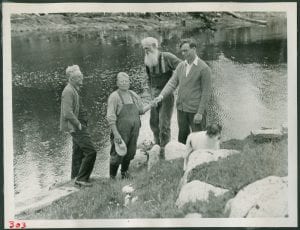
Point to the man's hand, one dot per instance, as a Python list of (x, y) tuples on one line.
[(79, 126), (153, 103), (197, 118), (117, 138), (158, 99)]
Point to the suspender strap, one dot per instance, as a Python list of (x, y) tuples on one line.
[(163, 66), (159, 63), (121, 97), (131, 94)]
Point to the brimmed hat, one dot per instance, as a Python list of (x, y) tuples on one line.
[(121, 149)]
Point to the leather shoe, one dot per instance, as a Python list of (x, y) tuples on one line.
[(83, 183), (126, 175)]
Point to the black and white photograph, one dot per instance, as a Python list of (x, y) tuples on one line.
[(150, 115)]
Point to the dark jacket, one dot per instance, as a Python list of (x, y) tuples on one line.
[(69, 109), (159, 75)]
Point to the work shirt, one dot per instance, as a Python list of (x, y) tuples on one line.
[(189, 66), (159, 75), (115, 105)]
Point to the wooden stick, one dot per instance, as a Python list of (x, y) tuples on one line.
[(247, 19)]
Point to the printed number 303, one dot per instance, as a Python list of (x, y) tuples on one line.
[(15, 225)]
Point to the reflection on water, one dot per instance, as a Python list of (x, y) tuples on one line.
[(249, 75), (248, 96)]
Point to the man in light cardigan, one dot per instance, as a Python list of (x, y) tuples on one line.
[(73, 119), (193, 77)]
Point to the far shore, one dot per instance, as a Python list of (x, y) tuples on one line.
[(83, 22)]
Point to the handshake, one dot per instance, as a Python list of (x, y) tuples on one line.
[(156, 100)]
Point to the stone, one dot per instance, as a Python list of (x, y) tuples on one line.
[(193, 215), (284, 128), (127, 200), (134, 199), (262, 134), (140, 159), (128, 189), (207, 155), (153, 156), (174, 150), (267, 197), (197, 191)]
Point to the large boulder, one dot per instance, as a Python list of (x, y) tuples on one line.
[(174, 150), (199, 157), (197, 191), (263, 134), (140, 159), (153, 156), (264, 198)]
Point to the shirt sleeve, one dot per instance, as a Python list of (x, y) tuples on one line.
[(173, 61), (67, 101), (112, 106), (138, 102), (172, 83), (206, 89)]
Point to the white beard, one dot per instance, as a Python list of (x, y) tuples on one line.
[(151, 59)]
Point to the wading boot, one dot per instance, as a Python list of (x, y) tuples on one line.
[(83, 183), (126, 175), (162, 153), (113, 170)]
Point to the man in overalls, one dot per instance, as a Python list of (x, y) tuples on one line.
[(159, 68), (123, 114)]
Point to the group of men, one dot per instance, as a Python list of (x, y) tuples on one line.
[(166, 73)]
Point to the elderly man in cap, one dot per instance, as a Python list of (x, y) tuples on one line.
[(159, 68), (193, 78), (73, 119)]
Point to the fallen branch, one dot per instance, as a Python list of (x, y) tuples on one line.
[(247, 19)]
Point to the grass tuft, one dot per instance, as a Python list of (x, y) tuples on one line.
[(256, 161), (156, 191)]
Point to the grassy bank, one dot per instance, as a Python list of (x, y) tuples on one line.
[(158, 190), (156, 193)]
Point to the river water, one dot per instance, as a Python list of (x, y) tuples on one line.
[(249, 67)]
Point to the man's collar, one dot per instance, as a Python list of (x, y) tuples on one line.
[(73, 87), (195, 62)]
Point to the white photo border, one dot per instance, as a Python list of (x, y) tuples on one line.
[(291, 12)]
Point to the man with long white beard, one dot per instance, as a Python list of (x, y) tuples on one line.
[(159, 68)]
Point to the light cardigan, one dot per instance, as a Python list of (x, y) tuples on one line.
[(194, 89), (69, 109)]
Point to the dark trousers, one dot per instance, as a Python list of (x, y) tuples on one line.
[(129, 136), (160, 120), (84, 155), (186, 124)]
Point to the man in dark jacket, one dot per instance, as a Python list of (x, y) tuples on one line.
[(159, 68), (193, 78), (73, 119)]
